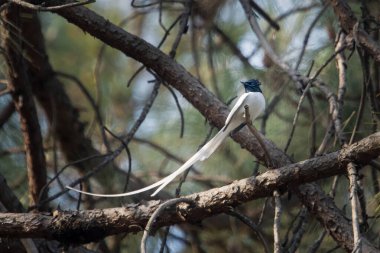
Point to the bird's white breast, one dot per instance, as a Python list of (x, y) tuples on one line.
[(256, 103)]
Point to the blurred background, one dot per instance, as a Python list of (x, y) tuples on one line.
[(220, 49)]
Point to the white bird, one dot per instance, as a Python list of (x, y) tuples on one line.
[(252, 97)]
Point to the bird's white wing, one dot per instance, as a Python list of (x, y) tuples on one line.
[(236, 108)]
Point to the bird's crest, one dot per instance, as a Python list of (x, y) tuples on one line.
[(252, 85)]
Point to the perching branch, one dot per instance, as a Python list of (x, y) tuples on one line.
[(92, 225), (253, 130)]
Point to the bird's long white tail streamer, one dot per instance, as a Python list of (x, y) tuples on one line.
[(235, 118), (201, 155)]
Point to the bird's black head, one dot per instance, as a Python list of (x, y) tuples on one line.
[(252, 85)]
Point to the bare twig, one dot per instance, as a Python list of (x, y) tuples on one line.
[(210, 61), (352, 175), (277, 248), (308, 33), (285, 15), (231, 44), (271, 107), (49, 8), (253, 130), (375, 182), (183, 28), (328, 136), (144, 113), (182, 117), (164, 239), (6, 113), (366, 82), (93, 104), (297, 9), (126, 140), (128, 154), (157, 212), (138, 71), (263, 209), (315, 246), (243, 218), (264, 43), (260, 11), (342, 67), (309, 83), (58, 173), (299, 230)]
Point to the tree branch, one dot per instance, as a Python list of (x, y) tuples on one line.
[(19, 86), (49, 8), (92, 225), (349, 24)]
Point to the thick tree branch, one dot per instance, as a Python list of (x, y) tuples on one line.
[(92, 225), (19, 86), (10, 203), (331, 220), (349, 24)]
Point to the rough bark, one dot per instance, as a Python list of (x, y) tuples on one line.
[(10, 203), (333, 220), (92, 225), (19, 86), (348, 22)]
